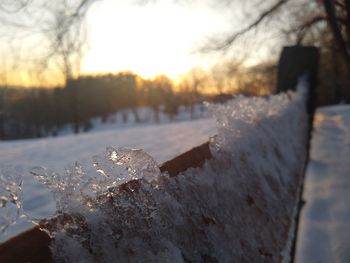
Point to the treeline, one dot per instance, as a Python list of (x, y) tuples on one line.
[(37, 112)]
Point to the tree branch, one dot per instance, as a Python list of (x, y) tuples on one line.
[(339, 4), (301, 29), (15, 6), (347, 19), (229, 41), (312, 22), (332, 20)]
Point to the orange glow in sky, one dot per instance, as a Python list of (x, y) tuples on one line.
[(159, 37), (152, 39)]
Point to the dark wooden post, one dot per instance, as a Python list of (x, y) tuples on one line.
[(295, 62)]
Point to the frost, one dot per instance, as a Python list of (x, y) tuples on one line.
[(238, 207), (302, 86), (245, 123), (81, 193), (10, 197), (123, 165)]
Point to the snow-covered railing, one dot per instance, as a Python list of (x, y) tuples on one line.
[(297, 61), (234, 198)]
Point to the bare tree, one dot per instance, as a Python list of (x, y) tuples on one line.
[(192, 84), (323, 23), (225, 74), (338, 17), (57, 26), (298, 17)]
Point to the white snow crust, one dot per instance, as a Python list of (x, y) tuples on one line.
[(324, 229), (120, 208), (240, 206), (17, 158)]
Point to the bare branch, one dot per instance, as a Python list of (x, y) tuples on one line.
[(14, 6), (230, 40), (339, 4), (332, 20), (302, 29), (347, 23)]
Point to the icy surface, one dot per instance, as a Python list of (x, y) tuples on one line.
[(324, 232), (239, 206), (115, 167), (10, 197), (163, 142)]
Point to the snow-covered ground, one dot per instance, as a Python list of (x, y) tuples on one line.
[(324, 230), (146, 115), (163, 142)]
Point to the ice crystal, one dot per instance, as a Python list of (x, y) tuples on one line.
[(122, 165), (238, 207), (10, 197), (80, 192)]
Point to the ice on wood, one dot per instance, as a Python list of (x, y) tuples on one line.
[(10, 197), (239, 206), (56, 153), (78, 189)]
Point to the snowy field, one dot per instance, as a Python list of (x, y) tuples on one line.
[(324, 231), (163, 142), (146, 116)]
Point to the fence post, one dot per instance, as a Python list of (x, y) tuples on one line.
[(296, 61)]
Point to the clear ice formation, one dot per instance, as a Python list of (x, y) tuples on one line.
[(10, 197), (238, 207), (78, 189)]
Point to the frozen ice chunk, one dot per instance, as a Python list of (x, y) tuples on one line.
[(123, 165), (239, 206), (245, 121), (81, 192), (10, 197), (67, 188)]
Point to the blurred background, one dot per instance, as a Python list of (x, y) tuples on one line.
[(67, 66)]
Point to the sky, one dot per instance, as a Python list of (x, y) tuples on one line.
[(160, 37), (150, 38)]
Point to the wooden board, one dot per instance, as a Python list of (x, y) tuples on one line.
[(33, 245)]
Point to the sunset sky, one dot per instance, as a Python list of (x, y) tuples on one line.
[(149, 39)]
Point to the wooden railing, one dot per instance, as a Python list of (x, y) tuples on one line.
[(33, 244)]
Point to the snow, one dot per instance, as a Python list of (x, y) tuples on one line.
[(126, 119), (240, 205), (118, 206), (324, 231), (162, 141)]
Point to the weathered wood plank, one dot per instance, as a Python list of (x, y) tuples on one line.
[(33, 245), (30, 246)]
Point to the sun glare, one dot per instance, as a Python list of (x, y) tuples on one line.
[(147, 39)]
